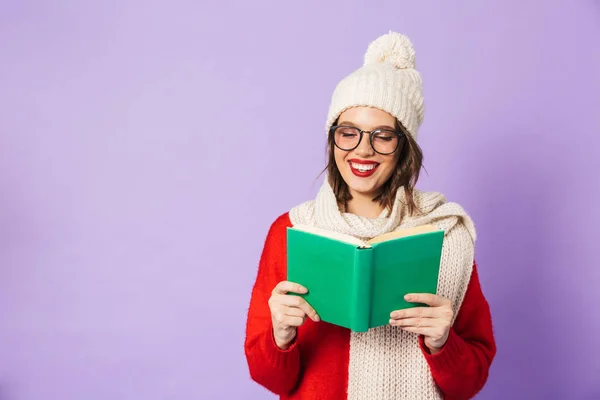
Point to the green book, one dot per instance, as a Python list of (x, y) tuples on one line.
[(357, 284)]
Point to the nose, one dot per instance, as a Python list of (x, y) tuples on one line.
[(364, 149)]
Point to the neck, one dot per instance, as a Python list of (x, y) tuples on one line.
[(363, 206)]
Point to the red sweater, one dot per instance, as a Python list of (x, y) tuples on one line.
[(315, 366)]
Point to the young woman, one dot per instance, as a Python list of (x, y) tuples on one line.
[(440, 351)]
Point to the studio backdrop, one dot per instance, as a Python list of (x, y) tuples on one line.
[(146, 147)]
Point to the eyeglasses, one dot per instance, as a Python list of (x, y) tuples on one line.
[(383, 141)]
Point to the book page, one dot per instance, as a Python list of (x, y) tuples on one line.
[(330, 234), (403, 233)]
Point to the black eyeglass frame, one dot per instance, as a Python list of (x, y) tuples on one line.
[(398, 133)]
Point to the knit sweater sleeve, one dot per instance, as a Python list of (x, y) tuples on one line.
[(276, 369), (461, 368)]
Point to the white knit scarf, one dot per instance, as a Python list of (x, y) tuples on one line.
[(386, 362)]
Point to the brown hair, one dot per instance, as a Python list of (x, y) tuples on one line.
[(405, 176)]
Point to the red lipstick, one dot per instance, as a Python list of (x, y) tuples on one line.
[(363, 168)]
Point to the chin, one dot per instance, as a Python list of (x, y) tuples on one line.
[(364, 186)]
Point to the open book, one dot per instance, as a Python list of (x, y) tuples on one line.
[(357, 284)]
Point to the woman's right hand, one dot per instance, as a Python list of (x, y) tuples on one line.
[(288, 312)]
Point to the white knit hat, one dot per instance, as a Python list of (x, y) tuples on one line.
[(388, 80)]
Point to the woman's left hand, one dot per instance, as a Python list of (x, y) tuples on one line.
[(432, 322)]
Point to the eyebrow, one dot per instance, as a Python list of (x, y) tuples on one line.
[(377, 127)]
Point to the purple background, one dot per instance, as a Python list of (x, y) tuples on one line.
[(146, 147)]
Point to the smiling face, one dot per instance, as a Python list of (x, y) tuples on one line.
[(363, 169)]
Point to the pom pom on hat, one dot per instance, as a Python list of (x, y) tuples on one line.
[(392, 48)]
